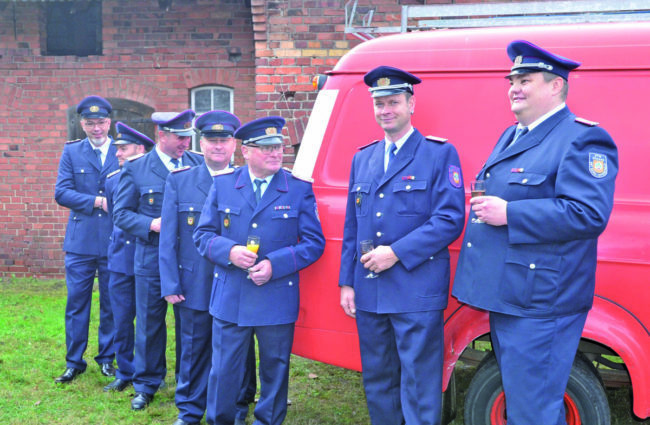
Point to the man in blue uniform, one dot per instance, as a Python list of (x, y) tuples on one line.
[(185, 276), (83, 168), (129, 142), (406, 197), (529, 253), (256, 291), (138, 205)]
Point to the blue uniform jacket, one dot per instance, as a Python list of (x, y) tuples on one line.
[(418, 208), (79, 182), (286, 220), (139, 200), (558, 180), (121, 249), (182, 269)]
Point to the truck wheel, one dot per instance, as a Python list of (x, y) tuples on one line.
[(585, 400)]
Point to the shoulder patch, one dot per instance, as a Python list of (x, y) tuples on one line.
[(436, 139), (586, 122), (227, 170), (109, 175), (369, 144), (73, 141), (178, 170), (134, 157)]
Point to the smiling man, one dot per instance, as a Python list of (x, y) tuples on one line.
[(80, 186), (138, 206), (405, 196), (186, 277), (256, 293), (529, 254)]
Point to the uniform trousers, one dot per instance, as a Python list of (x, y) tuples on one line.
[(80, 273), (150, 335), (227, 383), (535, 356), (401, 358), (122, 293), (195, 336)]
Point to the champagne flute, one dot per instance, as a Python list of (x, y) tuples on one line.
[(366, 247), (253, 245), (477, 188)]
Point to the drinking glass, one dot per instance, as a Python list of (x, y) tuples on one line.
[(477, 187), (366, 247)]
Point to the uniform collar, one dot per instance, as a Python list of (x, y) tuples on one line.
[(399, 143), (544, 117)]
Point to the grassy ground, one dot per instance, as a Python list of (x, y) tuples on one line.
[(32, 351)]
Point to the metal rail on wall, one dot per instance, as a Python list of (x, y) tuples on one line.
[(358, 19)]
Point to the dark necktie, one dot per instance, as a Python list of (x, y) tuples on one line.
[(391, 154), (258, 189), (98, 152), (175, 162), (518, 133)]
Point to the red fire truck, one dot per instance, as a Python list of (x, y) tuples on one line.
[(463, 98)]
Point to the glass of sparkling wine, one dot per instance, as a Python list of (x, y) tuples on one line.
[(253, 245), (366, 247), (477, 188)]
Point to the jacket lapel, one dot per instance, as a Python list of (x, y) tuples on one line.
[(157, 166), (278, 186), (403, 157), (89, 154), (111, 160), (204, 178), (527, 141), (244, 186)]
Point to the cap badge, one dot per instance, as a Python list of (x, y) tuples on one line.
[(94, 108), (187, 125), (217, 127), (518, 60), (118, 136), (271, 130), (383, 82)]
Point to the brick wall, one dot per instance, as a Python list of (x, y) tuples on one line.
[(151, 56)]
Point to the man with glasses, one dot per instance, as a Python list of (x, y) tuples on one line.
[(138, 205), (80, 183), (186, 277), (255, 292)]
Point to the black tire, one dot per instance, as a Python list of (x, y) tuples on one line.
[(585, 395), (448, 411)]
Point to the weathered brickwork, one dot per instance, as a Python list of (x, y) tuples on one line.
[(266, 51)]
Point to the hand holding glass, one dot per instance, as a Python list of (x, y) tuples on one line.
[(477, 188), (253, 245), (366, 247)]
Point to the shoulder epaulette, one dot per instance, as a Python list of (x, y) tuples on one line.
[(302, 178), (586, 122), (227, 170), (109, 175), (196, 152), (369, 144), (178, 170), (436, 139), (299, 177), (73, 141), (134, 157)]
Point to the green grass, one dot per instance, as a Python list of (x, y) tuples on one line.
[(32, 354)]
